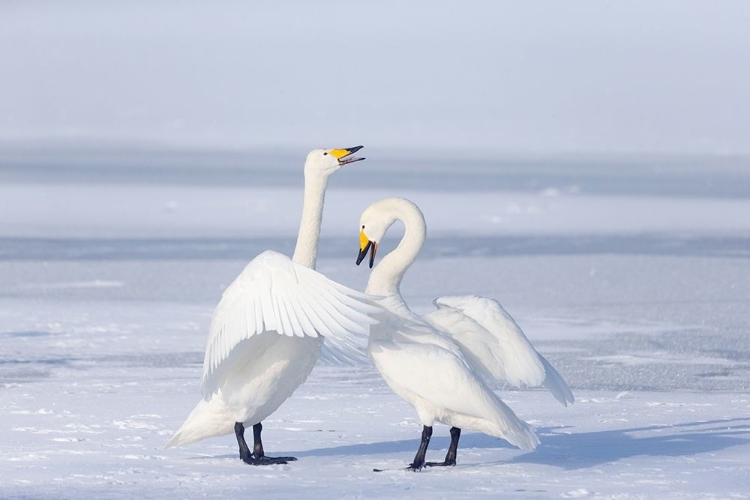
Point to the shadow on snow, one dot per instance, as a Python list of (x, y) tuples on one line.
[(576, 450), (588, 449)]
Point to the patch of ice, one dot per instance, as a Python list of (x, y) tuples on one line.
[(75, 284), (577, 493), (652, 358)]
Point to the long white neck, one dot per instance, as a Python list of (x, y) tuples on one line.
[(386, 277), (306, 251)]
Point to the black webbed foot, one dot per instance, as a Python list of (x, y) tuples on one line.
[(286, 459), (441, 464), (257, 456), (264, 460)]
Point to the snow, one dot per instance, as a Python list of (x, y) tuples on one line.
[(640, 301)]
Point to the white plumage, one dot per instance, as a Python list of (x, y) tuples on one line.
[(443, 363), (429, 371), (495, 345), (268, 330), (273, 294)]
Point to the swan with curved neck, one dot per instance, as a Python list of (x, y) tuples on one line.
[(268, 330), (385, 279), (442, 363)]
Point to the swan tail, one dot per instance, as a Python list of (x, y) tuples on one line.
[(208, 419), (521, 434), (556, 385), (508, 426)]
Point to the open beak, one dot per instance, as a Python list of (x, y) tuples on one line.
[(345, 155), (366, 245)]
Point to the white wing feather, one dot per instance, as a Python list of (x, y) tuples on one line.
[(275, 294), (495, 345)]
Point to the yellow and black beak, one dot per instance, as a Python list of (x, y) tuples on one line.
[(345, 155), (364, 246)]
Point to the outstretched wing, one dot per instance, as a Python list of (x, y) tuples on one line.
[(274, 294), (495, 345)]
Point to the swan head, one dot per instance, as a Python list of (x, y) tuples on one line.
[(324, 162), (379, 217), (366, 244)]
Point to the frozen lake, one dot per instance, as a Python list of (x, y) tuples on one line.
[(632, 278)]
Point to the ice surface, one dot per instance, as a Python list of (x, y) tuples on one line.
[(641, 302)]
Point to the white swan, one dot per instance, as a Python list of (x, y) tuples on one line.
[(441, 363), (267, 330)]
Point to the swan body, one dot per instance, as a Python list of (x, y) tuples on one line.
[(268, 330), (427, 369), (442, 363)]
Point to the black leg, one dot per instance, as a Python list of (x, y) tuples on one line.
[(245, 455), (257, 443), (259, 455), (418, 462), (450, 457)]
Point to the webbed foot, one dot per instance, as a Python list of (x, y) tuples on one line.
[(447, 463), (264, 460)]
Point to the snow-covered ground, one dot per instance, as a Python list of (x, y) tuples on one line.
[(641, 300)]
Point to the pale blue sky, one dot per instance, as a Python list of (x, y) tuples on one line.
[(503, 77)]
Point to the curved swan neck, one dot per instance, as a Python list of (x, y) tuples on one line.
[(386, 277), (306, 250)]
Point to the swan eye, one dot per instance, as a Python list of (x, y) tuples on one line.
[(325, 154), (363, 226)]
